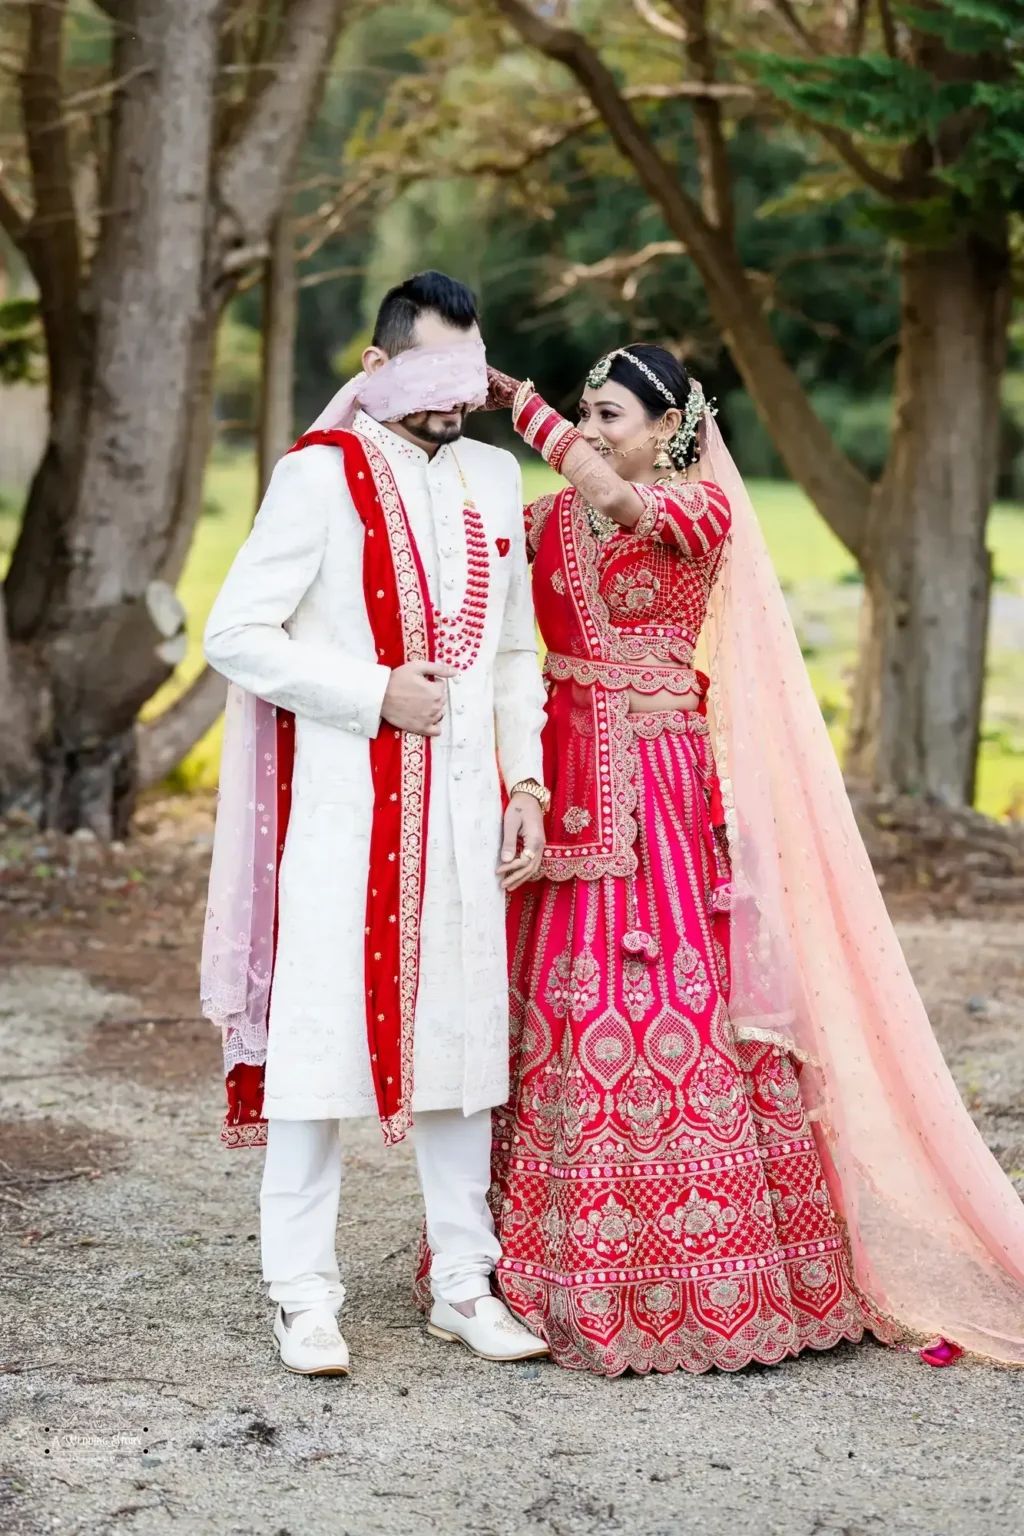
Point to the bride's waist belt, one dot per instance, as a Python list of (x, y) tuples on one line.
[(637, 676)]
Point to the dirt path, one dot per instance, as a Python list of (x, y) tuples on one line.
[(140, 1391)]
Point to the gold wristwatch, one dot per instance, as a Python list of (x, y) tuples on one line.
[(531, 787)]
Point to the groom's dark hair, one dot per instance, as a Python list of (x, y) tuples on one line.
[(402, 306)]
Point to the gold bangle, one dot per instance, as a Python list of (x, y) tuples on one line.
[(522, 394)]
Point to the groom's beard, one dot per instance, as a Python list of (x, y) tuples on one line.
[(435, 427)]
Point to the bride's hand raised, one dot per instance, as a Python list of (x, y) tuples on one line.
[(501, 390)]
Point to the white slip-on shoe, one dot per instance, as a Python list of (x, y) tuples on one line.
[(492, 1332), (312, 1346)]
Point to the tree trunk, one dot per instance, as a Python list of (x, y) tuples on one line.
[(91, 608), (917, 703), (16, 757), (280, 320), (102, 511)]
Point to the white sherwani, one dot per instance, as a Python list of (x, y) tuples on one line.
[(290, 625)]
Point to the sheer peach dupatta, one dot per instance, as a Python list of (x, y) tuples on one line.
[(936, 1230)]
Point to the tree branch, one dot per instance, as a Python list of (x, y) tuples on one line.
[(164, 742), (660, 23), (856, 27), (253, 170), (15, 214), (613, 267), (50, 239), (712, 154), (789, 16), (885, 185), (834, 484), (571, 50), (277, 336), (892, 46)]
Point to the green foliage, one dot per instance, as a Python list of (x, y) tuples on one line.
[(22, 351), (954, 112)]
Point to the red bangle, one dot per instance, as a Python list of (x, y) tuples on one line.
[(542, 428)]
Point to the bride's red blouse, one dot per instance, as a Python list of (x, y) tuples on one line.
[(619, 614)]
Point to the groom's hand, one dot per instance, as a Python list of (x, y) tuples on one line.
[(524, 822), (414, 699)]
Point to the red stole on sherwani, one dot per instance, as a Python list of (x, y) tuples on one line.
[(401, 619)]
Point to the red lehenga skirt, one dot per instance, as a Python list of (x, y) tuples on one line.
[(657, 1189)]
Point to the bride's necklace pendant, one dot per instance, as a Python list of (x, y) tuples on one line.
[(601, 525)]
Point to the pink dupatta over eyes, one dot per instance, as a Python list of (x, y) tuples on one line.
[(936, 1230)]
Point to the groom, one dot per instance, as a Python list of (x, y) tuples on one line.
[(390, 986)]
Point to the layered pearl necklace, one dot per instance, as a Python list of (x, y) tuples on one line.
[(458, 635)]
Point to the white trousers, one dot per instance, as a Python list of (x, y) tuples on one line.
[(301, 1190)]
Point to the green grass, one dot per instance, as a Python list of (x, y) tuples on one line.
[(817, 573)]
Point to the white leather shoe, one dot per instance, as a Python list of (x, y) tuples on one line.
[(312, 1346), (492, 1332)]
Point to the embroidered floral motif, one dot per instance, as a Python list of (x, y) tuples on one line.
[(631, 594), (508, 1325), (554, 1226), (659, 1298), (815, 1274), (320, 1338), (573, 985), (558, 583), (699, 1221), (643, 1106), (724, 1294), (597, 1303), (778, 1091), (607, 1050), (691, 976), (672, 1045), (715, 1093), (575, 820), (608, 1229), (637, 989)]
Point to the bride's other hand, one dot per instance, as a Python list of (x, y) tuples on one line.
[(501, 390)]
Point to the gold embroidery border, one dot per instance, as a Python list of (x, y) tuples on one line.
[(412, 832)]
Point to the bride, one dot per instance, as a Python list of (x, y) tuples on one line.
[(731, 1135)]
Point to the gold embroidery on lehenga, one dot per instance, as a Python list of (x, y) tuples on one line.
[(573, 985), (657, 1205), (698, 1221), (672, 1044), (637, 989), (575, 820), (715, 1094), (608, 1229), (691, 977)]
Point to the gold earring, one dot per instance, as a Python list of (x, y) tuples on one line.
[(662, 460)]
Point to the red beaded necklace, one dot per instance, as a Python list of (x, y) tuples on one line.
[(458, 635)]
